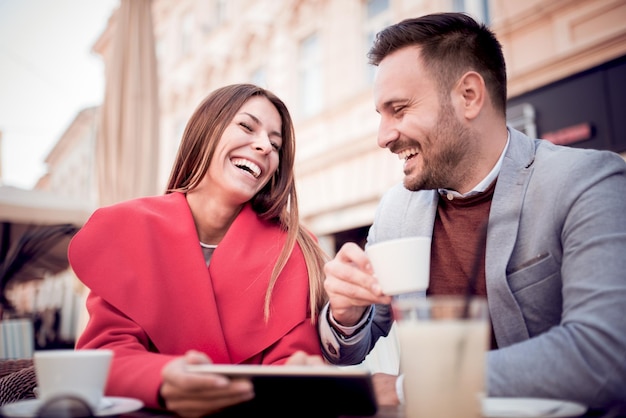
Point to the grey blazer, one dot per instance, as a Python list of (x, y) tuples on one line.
[(555, 272)]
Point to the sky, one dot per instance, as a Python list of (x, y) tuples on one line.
[(48, 74)]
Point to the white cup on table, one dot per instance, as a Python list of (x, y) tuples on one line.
[(401, 265), (76, 373)]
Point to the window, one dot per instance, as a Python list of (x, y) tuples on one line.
[(186, 34), (310, 76), (220, 10), (376, 7), (377, 15), (214, 14), (522, 118), (259, 77), (478, 9)]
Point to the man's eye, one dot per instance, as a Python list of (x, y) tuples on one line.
[(398, 109)]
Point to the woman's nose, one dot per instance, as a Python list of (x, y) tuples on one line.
[(262, 143)]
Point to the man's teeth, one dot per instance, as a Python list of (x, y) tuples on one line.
[(408, 153), (248, 166)]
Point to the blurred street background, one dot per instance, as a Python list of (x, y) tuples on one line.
[(566, 64)]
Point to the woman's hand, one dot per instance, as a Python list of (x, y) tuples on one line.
[(191, 394)]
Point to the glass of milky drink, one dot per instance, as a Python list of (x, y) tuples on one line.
[(443, 344)]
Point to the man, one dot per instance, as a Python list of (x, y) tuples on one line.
[(552, 263)]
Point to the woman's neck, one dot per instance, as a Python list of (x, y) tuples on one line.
[(212, 218)]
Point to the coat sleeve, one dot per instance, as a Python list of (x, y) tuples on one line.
[(135, 371)]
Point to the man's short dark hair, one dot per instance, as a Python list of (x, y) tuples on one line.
[(451, 44)]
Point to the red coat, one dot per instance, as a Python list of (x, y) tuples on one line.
[(152, 297)]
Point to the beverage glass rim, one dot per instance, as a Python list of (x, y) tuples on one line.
[(475, 306), (401, 239)]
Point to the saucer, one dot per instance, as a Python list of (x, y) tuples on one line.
[(111, 405), (530, 407)]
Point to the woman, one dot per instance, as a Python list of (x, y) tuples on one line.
[(216, 270)]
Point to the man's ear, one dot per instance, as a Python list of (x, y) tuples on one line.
[(471, 92)]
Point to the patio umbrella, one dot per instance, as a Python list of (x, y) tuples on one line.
[(35, 229), (127, 143), (40, 207)]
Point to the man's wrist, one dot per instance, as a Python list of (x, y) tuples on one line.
[(346, 332)]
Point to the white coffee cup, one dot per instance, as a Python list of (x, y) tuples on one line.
[(79, 373), (401, 265)]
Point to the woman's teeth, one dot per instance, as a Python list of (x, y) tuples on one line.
[(248, 166)]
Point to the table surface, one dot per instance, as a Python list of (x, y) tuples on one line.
[(383, 412)]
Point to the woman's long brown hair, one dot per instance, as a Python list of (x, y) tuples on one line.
[(275, 202)]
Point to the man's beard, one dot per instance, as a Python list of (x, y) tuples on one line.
[(447, 150)]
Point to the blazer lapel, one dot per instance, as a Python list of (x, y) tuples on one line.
[(504, 217)]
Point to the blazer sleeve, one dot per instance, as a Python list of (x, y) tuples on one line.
[(573, 297)]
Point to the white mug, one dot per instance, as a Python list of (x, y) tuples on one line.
[(67, 372), (401, 265)]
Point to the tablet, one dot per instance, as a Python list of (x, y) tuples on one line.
[(300, 391)]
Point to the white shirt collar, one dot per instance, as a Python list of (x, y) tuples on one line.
[(486, 182)]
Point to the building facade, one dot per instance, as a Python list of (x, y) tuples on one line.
[(566, 65), (312, 53), (70, 163)]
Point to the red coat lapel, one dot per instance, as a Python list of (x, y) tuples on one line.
[(240, 271), (143, 258)]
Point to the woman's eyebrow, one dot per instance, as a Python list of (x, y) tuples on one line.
[(258, 122)]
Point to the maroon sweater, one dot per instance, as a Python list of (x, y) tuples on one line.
[(458, 238)]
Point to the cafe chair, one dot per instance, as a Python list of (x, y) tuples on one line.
[(17, 380)]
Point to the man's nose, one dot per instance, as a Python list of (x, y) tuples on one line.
[(387, 133)]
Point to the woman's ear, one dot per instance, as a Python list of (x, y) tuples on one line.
[(471, 92)]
